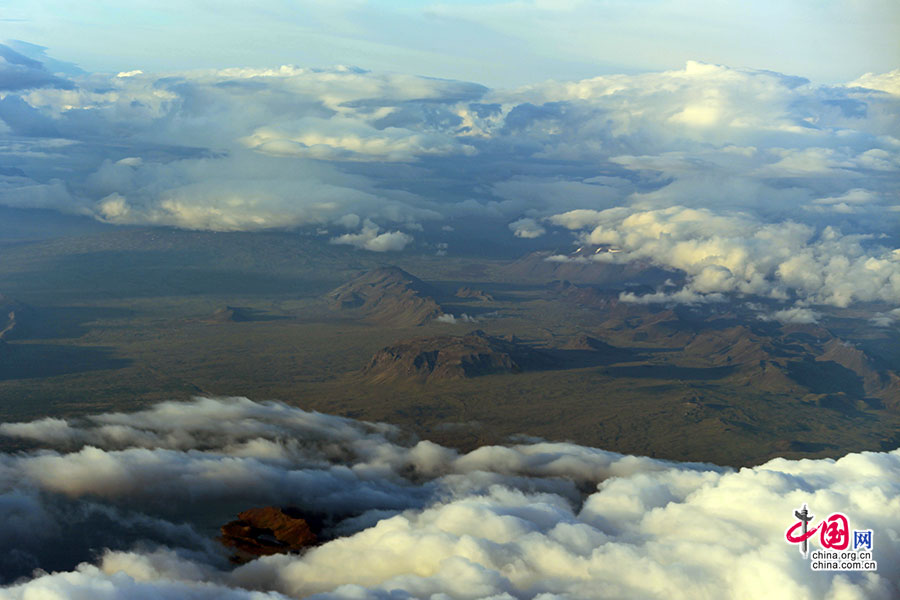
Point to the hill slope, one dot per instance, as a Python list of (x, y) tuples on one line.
[(386, 296), (454, 357)]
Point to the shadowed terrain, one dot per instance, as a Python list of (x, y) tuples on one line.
[(464, 351)]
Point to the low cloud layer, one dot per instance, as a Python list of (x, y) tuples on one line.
[(740, 254), (135, 498), (751, 182), (371, 238)]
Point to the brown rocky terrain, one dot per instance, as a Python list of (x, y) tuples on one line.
[(648, 325), (882, 384), (387, 296), (798, 360), (474, 294), (585, 342), (266, 531), (455, 357), (731, 345), (583, 296)]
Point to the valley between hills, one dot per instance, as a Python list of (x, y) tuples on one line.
[(464, 351)]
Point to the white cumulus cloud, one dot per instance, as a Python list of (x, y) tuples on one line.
[(370, 238), (535, 520), (750, 181)]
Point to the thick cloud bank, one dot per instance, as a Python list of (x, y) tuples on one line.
[(751, 182), (725, 254), (126, 506)]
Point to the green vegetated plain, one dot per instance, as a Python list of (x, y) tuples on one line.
[(121, 319)]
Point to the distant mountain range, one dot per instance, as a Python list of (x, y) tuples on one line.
[(461, 350), (631, 340)]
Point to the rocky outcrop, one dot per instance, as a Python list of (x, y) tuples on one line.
[(883, 384), (730, 346), (583, 296), (474, 294), (387, 296), (454, 357), (266, 531), (587, 343)]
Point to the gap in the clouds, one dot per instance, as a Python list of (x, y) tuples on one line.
[(601, 353), (710, 240)]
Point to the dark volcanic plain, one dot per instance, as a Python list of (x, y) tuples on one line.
[(461, 350)]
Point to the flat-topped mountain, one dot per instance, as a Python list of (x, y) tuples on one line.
[(455, 357), (387, 296)]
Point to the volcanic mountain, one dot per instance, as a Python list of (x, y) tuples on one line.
[(387, 296), (455, 357)]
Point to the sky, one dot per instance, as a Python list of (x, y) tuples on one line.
[(499, 44), (752, 147)]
